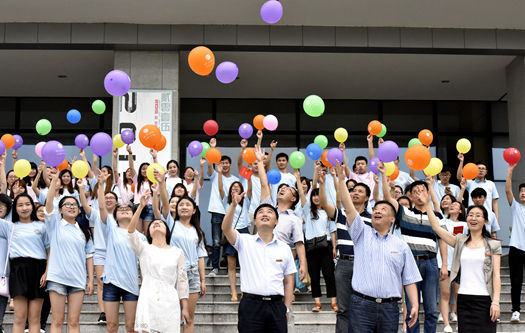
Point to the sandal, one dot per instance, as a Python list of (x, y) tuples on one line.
[(317, 308), (335, 308)]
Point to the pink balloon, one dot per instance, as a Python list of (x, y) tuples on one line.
[(270, 122), (38, 148)]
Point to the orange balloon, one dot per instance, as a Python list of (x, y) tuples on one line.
[(425, 137), (395, 174), (470, 171), (213, 155), (63, 166), (258, 121), (249, 155), (161, 144), (8, 140), (417, 157), (149, 135), (201, 60), (324, 159), (374, 127)]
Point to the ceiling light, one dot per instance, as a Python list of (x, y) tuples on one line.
[(445, 81), (62, 76)]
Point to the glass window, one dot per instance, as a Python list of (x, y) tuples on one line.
[(407, 115), (463, 117), (194, 112), (8, 110)]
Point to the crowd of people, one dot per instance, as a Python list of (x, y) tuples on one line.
[(377, 242)]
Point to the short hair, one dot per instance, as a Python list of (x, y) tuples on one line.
[(361, 158), (446, 168), (522, 185), (384, 202), (281, 155), (404, 197), (482, 163), (6, 200), (226, 158), (410, 187), (401, 188), (478, 192), (351, 181), (363, 185), (268, 206), (296, 194)]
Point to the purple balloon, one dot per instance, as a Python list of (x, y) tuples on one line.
[(195, 148), (117, 83), (373, 165), (18, 141), (101, 144), (227, 72), (271, 11), (81, 141), (53, 153), (127, 136), (245, 131), (335, 155), (2, 147), (388, 151)]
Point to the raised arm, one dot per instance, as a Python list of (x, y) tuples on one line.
[(3, 180), (196, 184), (370, 140), (508, 184), (153, 154), (268, 161), (34, 185), (213, 143), (387, 196), (229, 232), (446, 236), (433, 196), (14, 155), (219, 180), (259, 138), (135, 219), (55, 183), (244, 144), (130, 160), (459, 173), (115, 166), (101, 202), (250, 188), (351, 212), (375, 192), (463, 186), (155, 203), (328, 208), (164, 196), (95, 166), (302, 195), (348, 172), (265, 187), (82, 196)]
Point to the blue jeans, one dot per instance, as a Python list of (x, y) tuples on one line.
[(428, 287), (216, 235), (370, 317)]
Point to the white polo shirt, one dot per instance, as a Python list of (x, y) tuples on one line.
[(263, 266)]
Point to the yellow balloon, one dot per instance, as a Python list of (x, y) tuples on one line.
[(22, 168), (117, 141), (434, 167), (151, 168), (340, 134), (463, 146), (80, 169), (390, 167)]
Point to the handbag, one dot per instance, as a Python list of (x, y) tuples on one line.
[(224, 241), (4, 280), (315, 243)]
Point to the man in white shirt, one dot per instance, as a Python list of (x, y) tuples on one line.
[(443, 185), (286, 178)]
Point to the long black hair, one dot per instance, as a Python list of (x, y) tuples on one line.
[(230, 195), (176, 163), (452, 199), (313, 208), (15, 216), (140, 178), (28, 179), (194, 220), (21, 183), (181, 186), (69, 186), (109, 183), (6, 200), (484, 232), (168, 232), (85, 230)]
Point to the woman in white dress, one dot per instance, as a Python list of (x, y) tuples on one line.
[(164, 280)]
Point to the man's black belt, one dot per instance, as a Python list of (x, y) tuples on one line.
[(425, 256), (271, 298), (346, 257), (377, 300)]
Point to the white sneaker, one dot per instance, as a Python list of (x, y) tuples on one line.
[(440, 318), (448, 329), (453, 317), (515, 317), (213, 272)]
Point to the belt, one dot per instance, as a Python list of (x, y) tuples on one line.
[(425, 256), (346, 257), (271, 298), (377, 300)]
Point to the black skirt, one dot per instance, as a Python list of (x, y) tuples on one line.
[(474, 314), (24, 277)]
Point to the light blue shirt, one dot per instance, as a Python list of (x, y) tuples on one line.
[(329, 187), (256, 194), (29, 239), (121, 268), (187, 240), (99, 230), (215, 205), (517, 236), (3, 251), (241, 219), (322, 226), (488, 186), (492, 224), (56, 200), (68, 253), (440, 190)]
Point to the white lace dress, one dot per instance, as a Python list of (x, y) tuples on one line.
[(164, 283)]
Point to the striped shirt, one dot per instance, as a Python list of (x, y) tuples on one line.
[(345, 245), (385, 263), (417, 231)]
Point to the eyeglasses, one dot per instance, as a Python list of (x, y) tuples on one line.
[(70, 205), (476, 216), (123, 208)]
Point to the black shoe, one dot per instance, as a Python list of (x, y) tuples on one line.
[(102, 318)]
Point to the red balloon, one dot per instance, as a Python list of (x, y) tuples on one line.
[(211, 127), (511, 155)]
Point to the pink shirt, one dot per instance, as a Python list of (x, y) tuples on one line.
[(143, 189), (367, 178)]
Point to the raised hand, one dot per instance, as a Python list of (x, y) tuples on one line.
[(196, 173), (273, 144), (101, 177), (259, 134), (213, 142), (81, 183), (463, 183), (244, 143), (128, 149), (259, 154), (340, 170), (380, 141), (14, 154), (159, 176), (370, 138), (381, 167), (82, 154), (376, 179), (153, 153), (461, 157), (342, 146), (115, 153), (237, 198), (155, 188), (202, 161), (145, 198)]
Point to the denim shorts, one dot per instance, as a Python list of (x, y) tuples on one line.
[(62, 289), (194, 280), (112, 293), (99, 258), (147, 214)]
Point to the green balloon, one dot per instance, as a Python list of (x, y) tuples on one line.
[(297, 159), (413, 141), (205, 147), (322, 141), (98, 106), (383, 132), (43, 126), (313, 105)]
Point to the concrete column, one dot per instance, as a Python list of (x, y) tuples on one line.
[(155, 70), (516, 109)]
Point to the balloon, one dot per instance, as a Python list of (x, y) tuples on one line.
[(335, 156), (324, 159), (127, 136), (388, 151), (313, 105), (117, 83), (245, 131), (434, 167), (53, 153), (117, 141), (395, 174), (22, 168), (297, 159), (80, 169), (81, 141), (205, 148), (18, 141), (201, 60), (270, 122), (161, 144), (390, 167), (73, 116), (274, 176), (38, 148), (149, 135), (463, 146), (322, 141), (425, 137), (195, 148), (314, 151), (249, 155), (211, 127), (511, 155), (375, 127), (63, 166), (8, 140), (373, 165), (43, 126), (470, 171), (417, 157), (271, 11), (340, 134), (98, 106), (258, 121), (213, 155), (101, 144), (151, 169), (413, 141), (382, 134), (227, 72)]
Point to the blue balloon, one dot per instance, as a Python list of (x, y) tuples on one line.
[(274, 176), (73, 116), (314, 151)]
